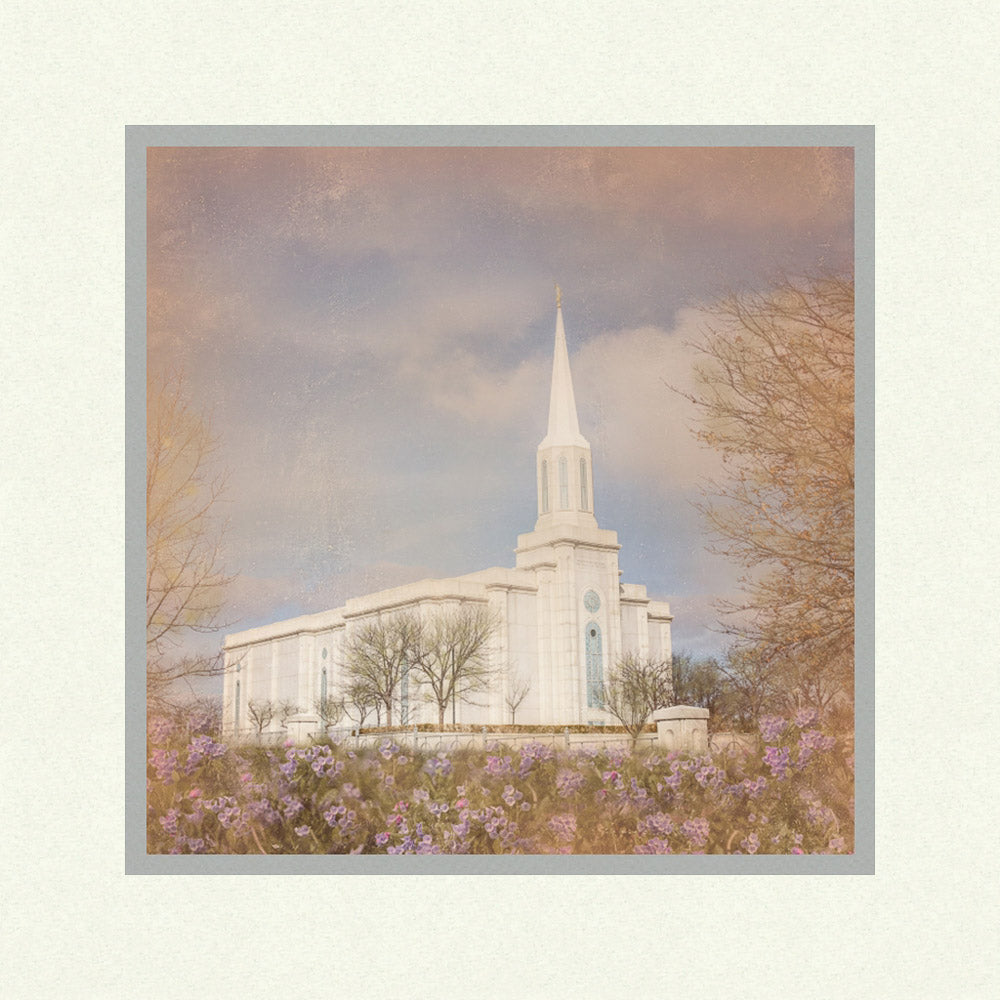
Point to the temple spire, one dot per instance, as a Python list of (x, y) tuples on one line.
[(564, 428)]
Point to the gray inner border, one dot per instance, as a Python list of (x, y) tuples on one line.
[(137, 138)]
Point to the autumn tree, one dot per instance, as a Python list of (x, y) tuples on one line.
[(452, 657), (185, 580), (635, 687), (378, 652), (776, 398)]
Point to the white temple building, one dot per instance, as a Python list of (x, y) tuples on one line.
[(564, 615)]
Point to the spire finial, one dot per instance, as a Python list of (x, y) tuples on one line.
[(558, 298)]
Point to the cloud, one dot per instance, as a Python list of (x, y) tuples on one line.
[(371, 331), (642, 429)]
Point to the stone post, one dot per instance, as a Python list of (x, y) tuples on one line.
[(683, 728)]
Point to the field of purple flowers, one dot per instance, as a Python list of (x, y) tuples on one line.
[(793, 796)]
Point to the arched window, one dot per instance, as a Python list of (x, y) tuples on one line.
[(322, 688), (545, 487), (583, 485), (595, 665), (563, 484), (236, 709)]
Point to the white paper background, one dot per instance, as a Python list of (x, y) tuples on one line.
[(73, 924)]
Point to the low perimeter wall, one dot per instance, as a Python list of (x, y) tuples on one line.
[(681, 727)]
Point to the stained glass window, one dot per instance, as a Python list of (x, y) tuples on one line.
[(563, 484)]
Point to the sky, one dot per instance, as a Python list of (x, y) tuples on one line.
[(369, 332)]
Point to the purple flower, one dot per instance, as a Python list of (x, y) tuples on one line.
[(202, 748), (498, 765), (511, 795), (696, 831), (563, 826), (169, 822), (813, 739), (302, 831), (657, 823), (656, 845), (381, 838), (805, 717), (164, 762), (771, 727), (750, 844), (776, 759), (159, 729), (819, 814), (334, 814), (439, 766), (531, 754), (568, 782), (291, 806)]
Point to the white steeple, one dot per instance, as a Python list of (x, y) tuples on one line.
[(564, 428), (563, 468)]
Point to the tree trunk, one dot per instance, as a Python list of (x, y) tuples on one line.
[(440, 716)]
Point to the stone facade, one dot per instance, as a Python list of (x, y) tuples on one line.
[(565, 616)]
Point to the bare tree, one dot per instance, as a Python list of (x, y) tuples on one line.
[(330, 711), (452, 658), (260, 712), (185, 580), (378, 652), (518, 687), (635, 688), (263, 711), (359, 702), (200, 715), (776, 398)]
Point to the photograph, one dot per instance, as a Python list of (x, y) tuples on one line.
[(500, 499)]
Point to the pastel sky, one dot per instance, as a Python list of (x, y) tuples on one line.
[(370, 331)]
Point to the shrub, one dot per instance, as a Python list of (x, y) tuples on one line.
[(793, 796)]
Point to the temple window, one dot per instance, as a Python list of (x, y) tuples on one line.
[(595, 665)]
